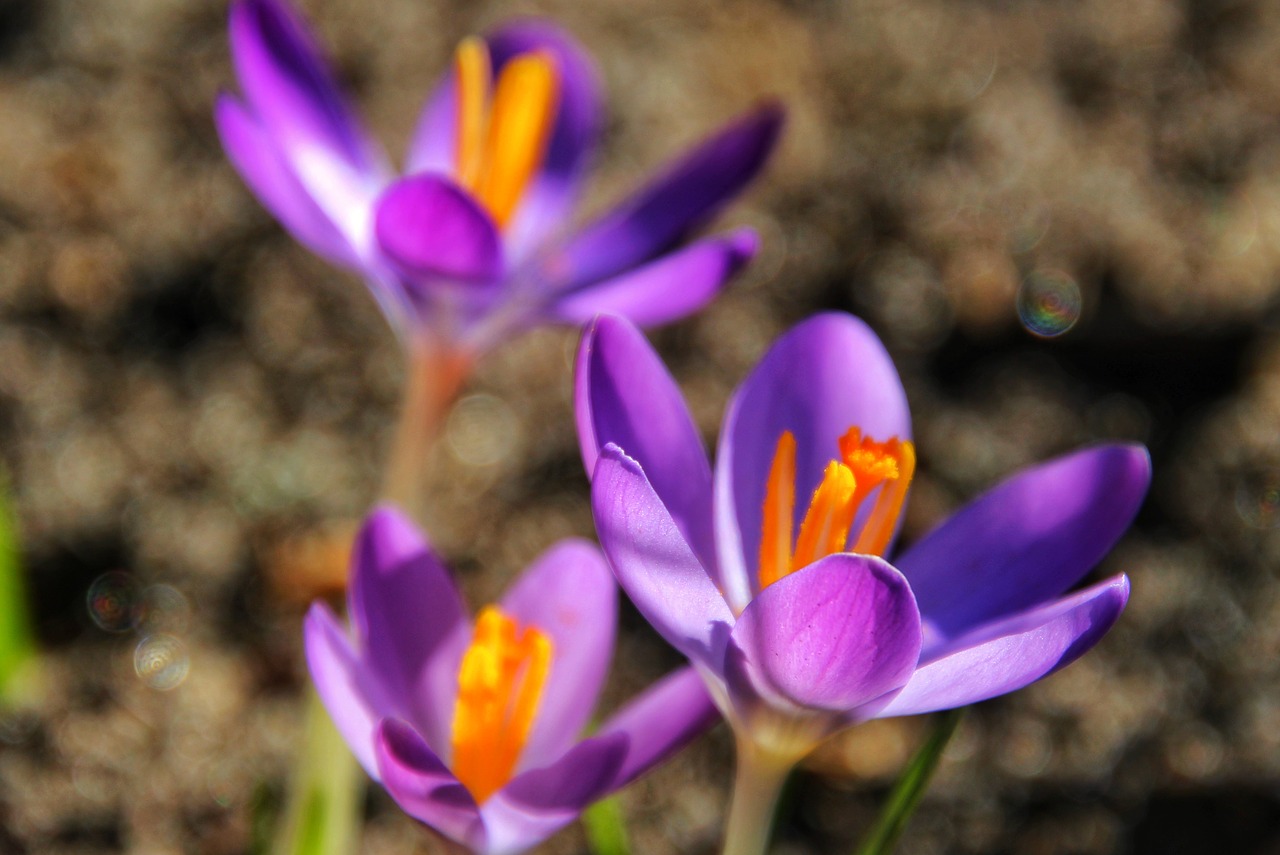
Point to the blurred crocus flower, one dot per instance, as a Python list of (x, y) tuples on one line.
[(472, 242), (771, 576), (473, 728)]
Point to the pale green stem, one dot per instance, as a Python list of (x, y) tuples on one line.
[(756, 787), (321, 812), (907, 792)]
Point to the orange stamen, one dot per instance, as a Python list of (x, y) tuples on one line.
[(524, 110), (878, 530), (500, 684), (472, 67), (865, 466), (831, 510), (779, 510)]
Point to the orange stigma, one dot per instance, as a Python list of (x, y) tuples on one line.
[(500, 685), (503, 127), (863, 466)]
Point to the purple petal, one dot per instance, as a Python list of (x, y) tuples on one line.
[(255, 156), (424, 787), (827, 374), (668, 716), (687, 195), (411, 620), (1028, 539), (351, 691), (654, 564), (831, 636), (552, 193), (671, 287), (536, 804), (569, 594), (1011, 653), (431, 229), (290, 87), (624, 395)]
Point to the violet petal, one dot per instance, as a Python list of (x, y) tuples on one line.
[(1013, 652), (1028, 539), (654, 564), (352, 693), (411, 619), (423, 786), (569, 594), (832, 636), (537, 803), (624, 395), (255, 156), (433, 230), (666, 717), (670, 287), (686, 196)]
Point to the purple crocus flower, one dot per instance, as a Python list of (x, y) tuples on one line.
[(474, 728), (471, 243), (788, 608)]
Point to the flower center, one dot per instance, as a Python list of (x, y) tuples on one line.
[(864, 466), (503, 128), (500, 685)]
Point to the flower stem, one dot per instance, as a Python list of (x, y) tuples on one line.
[(434, 377), (907, 792), (321, 816), (756, 787)]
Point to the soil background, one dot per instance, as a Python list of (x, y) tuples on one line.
[(184, 392)]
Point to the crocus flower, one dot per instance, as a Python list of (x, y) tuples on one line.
[(772, 574), (473, 728), (471, 243)]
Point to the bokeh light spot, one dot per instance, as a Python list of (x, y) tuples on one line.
[(161, 661), (113, 601), (1049, 303)]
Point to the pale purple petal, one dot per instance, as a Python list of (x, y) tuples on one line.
[(410, 619), (569, 594), (552, 193), (827, 374), (1028, 539), (654, 564), (289, 85), (255, 156), (536, 804), (687, 195), (1011, 653), (832, 636), (423, 786), (352, 693), (666, 717), (666, 289), (431, 229), (624, 395)]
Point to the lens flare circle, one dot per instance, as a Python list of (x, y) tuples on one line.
[(113, 601), (1049, 303), (161, 661)]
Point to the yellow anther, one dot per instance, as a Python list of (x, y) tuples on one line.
[(503, 128), (473, 71), (831, 510), (500, 684), (779, 509), (524, 111)]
